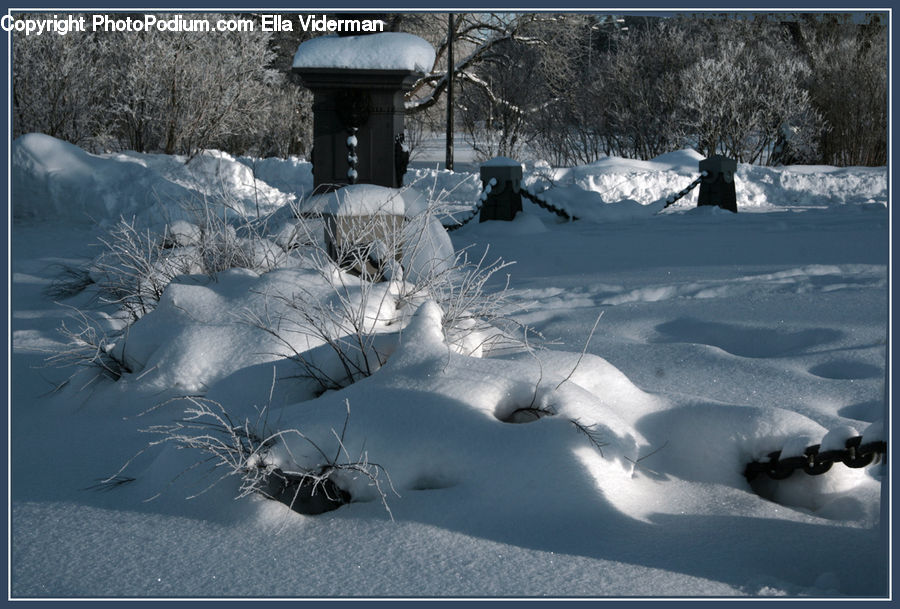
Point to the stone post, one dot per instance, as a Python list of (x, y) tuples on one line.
[(717, 186), (504, 199)]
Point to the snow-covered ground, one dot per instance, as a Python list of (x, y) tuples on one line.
[(607, 460)]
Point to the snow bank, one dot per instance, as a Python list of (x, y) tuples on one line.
[(292, 175), (589, 205), (649, 183), (810, 186), (439, 417), (384, 51), (453, 192), (55, 180)]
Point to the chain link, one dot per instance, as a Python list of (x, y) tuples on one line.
[(533, 197), (352, 155), (672, 198), (537, 200), (542, 202), (481, 199), (814, 461)]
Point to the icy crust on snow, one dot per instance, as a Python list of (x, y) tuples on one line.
[(384, 51)]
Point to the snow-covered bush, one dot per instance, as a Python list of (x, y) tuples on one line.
[(371, 256), (242, 448), (137, 263), (93, 346), (381, 255)]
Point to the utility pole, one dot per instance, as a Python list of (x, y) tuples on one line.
[(450, 73)]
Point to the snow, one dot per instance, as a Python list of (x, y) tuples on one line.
[(688, 342), (766, 189), (384, 51), (501, 161), (358, 200), (55, 180)]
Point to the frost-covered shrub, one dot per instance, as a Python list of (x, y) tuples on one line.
[(359, 289), (137, 264), (382, 253), (95, 346), (245, 449)]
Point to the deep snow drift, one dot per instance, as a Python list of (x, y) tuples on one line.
[(605, 460)]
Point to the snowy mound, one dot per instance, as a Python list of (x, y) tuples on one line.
[(685, 159), (435, 420), (52, 179), (358, 200), (385, 51), (370, 199), (501, 161)]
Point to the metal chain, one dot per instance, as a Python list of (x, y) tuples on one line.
[(541, 202), (672, 198), (481, 199), (352, 155), (537, 200), (814, 462)]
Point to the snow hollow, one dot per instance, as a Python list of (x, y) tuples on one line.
[(535, 408)]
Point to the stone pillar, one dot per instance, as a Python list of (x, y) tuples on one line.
[(717, 186), (359, 85), (504, 199)]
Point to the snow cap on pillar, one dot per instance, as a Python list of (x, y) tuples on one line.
[(384, 51)]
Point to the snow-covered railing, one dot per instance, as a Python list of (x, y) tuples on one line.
[(534, 197)]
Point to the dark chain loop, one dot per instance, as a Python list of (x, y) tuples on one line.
[(481, 199), (540, 202), (814, 461), (533, 197)]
